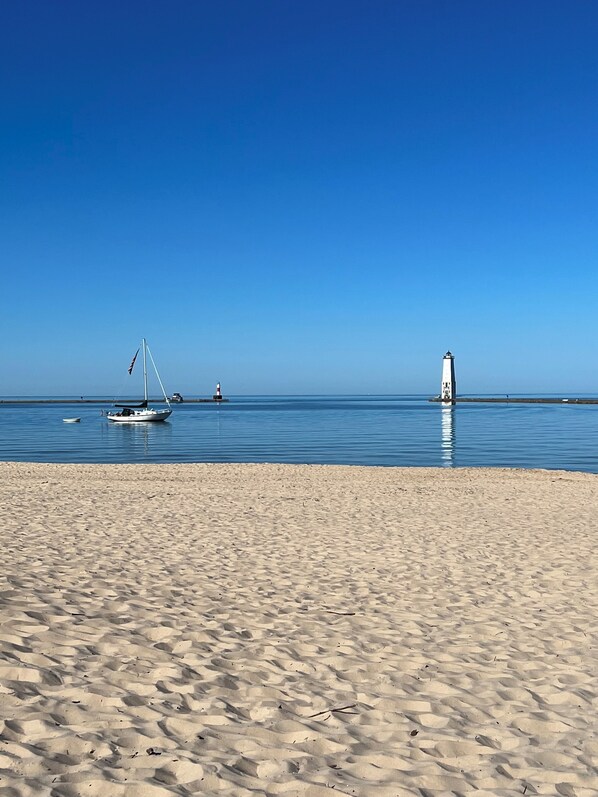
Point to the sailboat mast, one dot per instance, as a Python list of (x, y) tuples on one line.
[(144, 345)]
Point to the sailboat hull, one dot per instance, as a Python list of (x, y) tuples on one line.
[(139, 416)]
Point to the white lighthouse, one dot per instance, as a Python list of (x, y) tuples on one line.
[(448, 389)]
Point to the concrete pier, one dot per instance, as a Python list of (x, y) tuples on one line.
[(106, 401), (515, 400)]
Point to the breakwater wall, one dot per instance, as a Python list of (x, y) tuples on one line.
[(110, 401), (514, 400)]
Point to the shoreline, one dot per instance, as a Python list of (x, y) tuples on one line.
[(297, 630), (325, 465)]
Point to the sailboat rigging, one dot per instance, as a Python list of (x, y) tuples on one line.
[(140, 412)]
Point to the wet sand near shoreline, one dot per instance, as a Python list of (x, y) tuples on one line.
[(297, 630)]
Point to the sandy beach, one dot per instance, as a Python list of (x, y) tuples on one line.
[(297, 630)]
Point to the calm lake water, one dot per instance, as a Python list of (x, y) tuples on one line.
[(353, 430)]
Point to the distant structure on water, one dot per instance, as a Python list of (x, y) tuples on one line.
[(218, 394), (448, 388)]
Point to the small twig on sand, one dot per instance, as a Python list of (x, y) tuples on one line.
[(342, 614), (334, 711)]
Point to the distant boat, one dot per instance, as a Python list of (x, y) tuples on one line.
[(141, 412), (71, 420)]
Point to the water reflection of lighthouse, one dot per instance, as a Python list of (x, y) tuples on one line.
[(447, 441)]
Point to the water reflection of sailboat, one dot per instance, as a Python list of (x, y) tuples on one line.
[(138, 440), (447, 441)]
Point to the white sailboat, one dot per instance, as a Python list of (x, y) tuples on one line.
[(141, 412)]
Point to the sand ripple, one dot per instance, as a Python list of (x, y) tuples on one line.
[(297, 630)]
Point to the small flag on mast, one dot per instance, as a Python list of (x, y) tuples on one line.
[(133, 362)]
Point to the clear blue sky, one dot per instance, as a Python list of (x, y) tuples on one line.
[(310, 196)]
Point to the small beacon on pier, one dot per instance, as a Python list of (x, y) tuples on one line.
[(448, 389), (218, 394)]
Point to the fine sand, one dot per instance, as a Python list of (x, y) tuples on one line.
[(297, 630)]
